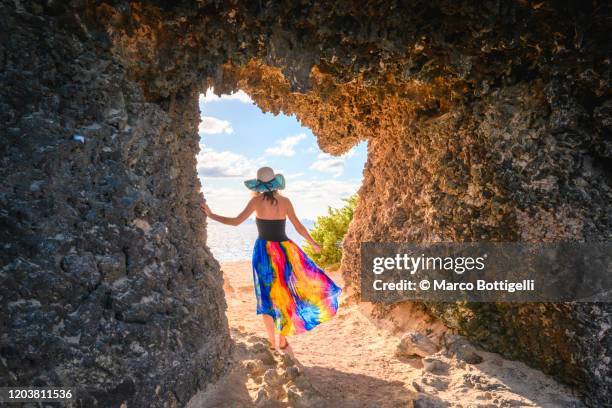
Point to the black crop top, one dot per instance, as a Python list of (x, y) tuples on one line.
[(271, 230)]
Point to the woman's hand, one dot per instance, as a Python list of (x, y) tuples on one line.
[(205, 209), (316, 247)]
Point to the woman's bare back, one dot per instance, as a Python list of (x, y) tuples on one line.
[(267, 210)]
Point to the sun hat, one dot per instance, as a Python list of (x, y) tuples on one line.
[(266, 181)]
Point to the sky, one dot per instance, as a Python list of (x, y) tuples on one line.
[(236, 138)]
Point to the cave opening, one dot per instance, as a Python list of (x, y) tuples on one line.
[(237, 137)]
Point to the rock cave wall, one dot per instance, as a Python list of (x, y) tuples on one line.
[(485, 122), (106, 283)]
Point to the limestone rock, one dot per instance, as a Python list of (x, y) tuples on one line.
[(462, 349), (468, 354), (106, 280), (416, 344), (255, 367), (483, 123), (305, 398), (262, 399), (292, 372), (287, 360), (272, 378), (266, 356), (428, 401), (436, 382), (434, 365)]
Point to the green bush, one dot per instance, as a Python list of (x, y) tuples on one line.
[(328, 232)]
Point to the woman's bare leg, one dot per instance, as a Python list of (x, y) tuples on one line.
[(269, 323), (282, 340)]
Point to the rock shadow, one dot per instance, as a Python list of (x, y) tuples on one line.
[(352, 390)]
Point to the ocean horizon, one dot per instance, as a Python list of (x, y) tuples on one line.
[(229, 243)]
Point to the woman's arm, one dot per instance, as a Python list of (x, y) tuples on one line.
[(299, 227), (248, 210)]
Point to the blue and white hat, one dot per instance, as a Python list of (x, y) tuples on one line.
[(266, 181)]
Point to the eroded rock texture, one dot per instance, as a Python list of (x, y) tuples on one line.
[(106, 281), (484, 120)]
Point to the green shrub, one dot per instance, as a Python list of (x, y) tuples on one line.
[(328, 232)]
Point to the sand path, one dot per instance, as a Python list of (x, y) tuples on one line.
[(351, 361)]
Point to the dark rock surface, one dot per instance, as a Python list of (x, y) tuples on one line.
[(485, 121), (106, 283)]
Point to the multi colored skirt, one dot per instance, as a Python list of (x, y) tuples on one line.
[(291, 288)]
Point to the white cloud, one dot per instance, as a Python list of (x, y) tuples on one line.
[(238, 192), (239, 96), (327, 163), (333, 165), (210, 125), (286, 146), (312, 197), (212, 163), (226, 200), (315, 189)]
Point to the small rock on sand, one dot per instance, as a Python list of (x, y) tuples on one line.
[(435, 382), (427, 401), (462, 349), (414, 343), (292, 373), (254, 367), (271, 377), (433, 365)]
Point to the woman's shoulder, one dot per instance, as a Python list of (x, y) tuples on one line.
[(283, 199), (255, 199)]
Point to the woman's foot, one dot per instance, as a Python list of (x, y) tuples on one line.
[(269, 324), (283, 343)]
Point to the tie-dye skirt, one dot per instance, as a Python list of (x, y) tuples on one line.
[(291, 288)]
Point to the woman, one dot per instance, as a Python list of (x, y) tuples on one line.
[(293, 293)]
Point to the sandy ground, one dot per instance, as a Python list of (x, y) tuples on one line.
[(351, 361)]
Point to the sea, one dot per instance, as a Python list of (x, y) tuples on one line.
[(229, 243)]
